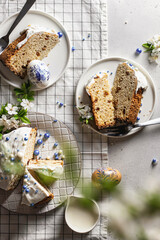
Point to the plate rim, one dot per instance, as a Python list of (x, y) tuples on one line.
[(35, 11), (80, 170), (111, 58)]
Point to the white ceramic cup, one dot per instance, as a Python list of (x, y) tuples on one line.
[(81, 214)]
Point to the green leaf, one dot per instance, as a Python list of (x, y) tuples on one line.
[(81, 119), (1, 129), (19, 100), (23, 86), (30, 98), (25, 120), (3, 110), (28, 85), (18, 91), (24, 92), (141, 235), (8, 130), (85, 119), (22, 112), (148, 46), (1, 136), (46, 176), (153, 202), (16, 117)]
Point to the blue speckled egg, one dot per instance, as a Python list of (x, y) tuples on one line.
[(38, 73)]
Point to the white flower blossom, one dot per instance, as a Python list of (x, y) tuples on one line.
[(85, 112), (8, 123), (11, 109), (3, 120), (155, 52), (26, 104), (14, 122)]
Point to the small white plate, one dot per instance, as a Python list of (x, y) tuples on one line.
[(57, 59), (110, 64)]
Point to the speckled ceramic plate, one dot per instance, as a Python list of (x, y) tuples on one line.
[(57, 59), (110, 64), (63, 187)]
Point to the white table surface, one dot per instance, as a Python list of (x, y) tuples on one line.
[(133, 155)]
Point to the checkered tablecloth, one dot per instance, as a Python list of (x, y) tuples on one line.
[(82, 19)]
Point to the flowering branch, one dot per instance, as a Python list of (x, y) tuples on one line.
[(13, 116)]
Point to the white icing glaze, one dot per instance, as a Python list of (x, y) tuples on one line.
[(5, 179), (141, 79), (8, 150), (36, 192), (56, 169), (30, 30)]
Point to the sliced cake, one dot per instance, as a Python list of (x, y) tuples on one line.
[(48, 171), (34, 43), (102, 100), (33, 192), (16, 149), (126, 99)]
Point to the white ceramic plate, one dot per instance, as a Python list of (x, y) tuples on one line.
[(110, 64), (57, 59), (62, 188)]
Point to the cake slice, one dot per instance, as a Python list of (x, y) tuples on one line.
[(102, 100), (16, 148), (126, 100), (48, 171), (34, 193), (34, 44)]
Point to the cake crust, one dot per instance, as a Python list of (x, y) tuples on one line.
[(135, 106), (45, 200)]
